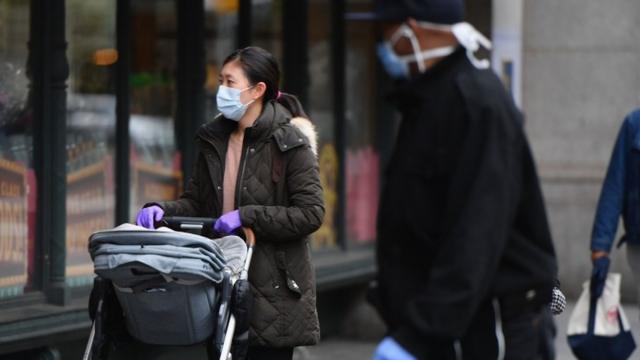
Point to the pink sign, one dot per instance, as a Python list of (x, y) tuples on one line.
[(362, 170)]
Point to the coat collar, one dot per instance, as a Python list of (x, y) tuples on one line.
[(418, 88), (273, 116)]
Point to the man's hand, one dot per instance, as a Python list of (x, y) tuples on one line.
[(389, 349), (598, 254)]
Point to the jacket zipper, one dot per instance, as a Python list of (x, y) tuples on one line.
[(243, 161), (218, 154)]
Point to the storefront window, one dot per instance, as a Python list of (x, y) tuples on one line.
[(155, 160), (362, 156), (17, 179), (320, 109), (267, 27), (91, 33), (221, 22)]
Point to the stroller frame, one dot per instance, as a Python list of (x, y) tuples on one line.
[(219, 345)]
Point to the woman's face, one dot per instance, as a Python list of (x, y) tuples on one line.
[(233, 76)]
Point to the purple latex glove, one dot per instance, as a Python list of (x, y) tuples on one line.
[(147, 216), (228, 223)]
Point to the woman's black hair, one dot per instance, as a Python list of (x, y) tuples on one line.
[(259, 65)]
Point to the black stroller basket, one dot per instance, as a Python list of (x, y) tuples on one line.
[(170, 288)]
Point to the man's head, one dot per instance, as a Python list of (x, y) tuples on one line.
[(446, 12), (415, 33)]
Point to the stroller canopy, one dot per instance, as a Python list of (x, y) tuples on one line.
[(130, 253)]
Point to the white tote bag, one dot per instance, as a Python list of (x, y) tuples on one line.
[(610, 337), (607, 309)]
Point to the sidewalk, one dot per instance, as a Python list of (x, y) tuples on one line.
[(345, 349)]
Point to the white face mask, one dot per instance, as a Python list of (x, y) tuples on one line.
[(398, 66), (468, 37), (229, 104)]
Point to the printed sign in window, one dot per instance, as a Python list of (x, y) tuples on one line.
[(13, 228)]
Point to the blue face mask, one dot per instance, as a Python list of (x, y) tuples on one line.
[(395, 67), (229, 104)]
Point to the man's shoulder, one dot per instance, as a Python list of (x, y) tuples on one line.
[(482, 92), (482, 87)]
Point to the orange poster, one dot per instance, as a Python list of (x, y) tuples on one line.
[(90, 207), (13, 228)]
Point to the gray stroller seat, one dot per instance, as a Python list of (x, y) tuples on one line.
[(166, 281)]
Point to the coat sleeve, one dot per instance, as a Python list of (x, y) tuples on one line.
[(610, 203), (305, 210), (479, 211), (188, 204)]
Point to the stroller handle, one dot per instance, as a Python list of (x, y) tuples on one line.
[(198, 223), (250, 235), (187, 223)]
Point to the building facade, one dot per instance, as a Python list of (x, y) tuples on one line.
[(99, 102)]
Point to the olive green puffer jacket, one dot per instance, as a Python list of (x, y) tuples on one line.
[(279, 196)]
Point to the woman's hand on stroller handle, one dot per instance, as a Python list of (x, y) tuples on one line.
[(186, 223), (183, 223), (148, 216), (228, 223)]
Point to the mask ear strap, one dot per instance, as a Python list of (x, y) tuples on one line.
[(400, 32), (417, 52), (405, 31), (431, 53), (249, 88)]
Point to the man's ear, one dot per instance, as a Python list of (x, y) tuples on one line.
[(259, 90)]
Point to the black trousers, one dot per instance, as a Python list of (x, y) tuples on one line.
[(515, 335), (266, 353)]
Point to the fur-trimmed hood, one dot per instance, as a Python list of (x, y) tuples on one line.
[(308, 130)]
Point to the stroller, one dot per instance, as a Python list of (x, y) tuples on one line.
[(167, 287)]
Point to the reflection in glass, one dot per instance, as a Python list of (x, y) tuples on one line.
[(91, 119), (362, 158), (155, 161), (17, 180), (221, 21), (267, 27), (320, 109)]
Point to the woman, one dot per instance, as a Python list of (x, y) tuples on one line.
[(257, 168)]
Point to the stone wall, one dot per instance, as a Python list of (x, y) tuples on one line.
[(581, 75)]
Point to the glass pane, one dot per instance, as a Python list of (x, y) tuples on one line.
[(91, 104), (155, 161), (221, 22), (267, 27), (17, 179), (320, 109), (362, 162)]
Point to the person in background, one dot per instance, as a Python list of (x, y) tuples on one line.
[(466, 264), (257, 168), (619, 197)]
